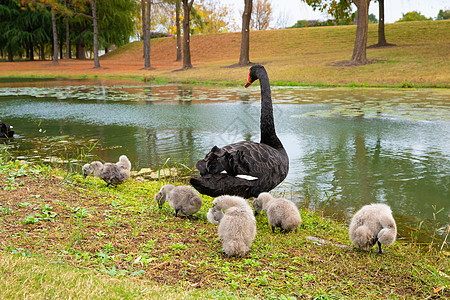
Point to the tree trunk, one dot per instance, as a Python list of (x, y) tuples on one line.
[(177, 22), (10, 54), (55, 38), (146, 11), (81, 50), (244, 58), (144, 26), (359, 50), (31, 51), (94, 16), (147, 34), (67, 37), (42, 52), (381, 35), (186, 34), (61, 53)]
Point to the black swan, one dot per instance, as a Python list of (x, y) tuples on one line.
[(6, 130), (265, 164)]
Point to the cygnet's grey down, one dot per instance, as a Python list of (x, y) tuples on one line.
[(280, 212), (373, 224), (183, 199), (214, 215), (237, 227), (112, 174)]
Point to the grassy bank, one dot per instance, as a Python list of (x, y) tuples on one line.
[(303, 56), (61, 236)]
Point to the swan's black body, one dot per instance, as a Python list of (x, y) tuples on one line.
[(267, 161)]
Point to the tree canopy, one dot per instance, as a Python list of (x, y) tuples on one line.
[(28, 23), (413, 16), (443, 15)]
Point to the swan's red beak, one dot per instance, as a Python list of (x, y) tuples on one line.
[(249, 81)]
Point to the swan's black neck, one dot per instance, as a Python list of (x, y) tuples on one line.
[(268, 134)]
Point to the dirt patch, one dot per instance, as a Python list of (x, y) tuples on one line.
[(375, 46), (351, 63)]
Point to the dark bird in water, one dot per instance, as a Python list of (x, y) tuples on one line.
[(6, 130), (246, 169), (112, 174)]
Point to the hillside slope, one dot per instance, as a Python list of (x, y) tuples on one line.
[(301, 55)]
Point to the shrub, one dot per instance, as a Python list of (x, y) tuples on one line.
[(413, 16), (443, 15)]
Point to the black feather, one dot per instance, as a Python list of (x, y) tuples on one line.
[(267, 160)]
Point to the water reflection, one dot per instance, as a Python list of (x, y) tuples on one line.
[(360, 146)]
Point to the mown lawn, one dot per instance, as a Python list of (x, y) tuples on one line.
[(303, 56)]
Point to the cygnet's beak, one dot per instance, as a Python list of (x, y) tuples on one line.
[(256, 213), (84, 176)]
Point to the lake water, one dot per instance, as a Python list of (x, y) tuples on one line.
[(347, 147)]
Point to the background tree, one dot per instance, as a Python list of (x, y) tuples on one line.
[(26, 25), (177, 24), (212, 17), (262, 15), (116, 23), (146, 13), (187, 6), (413, 16), (244, 58), (362, 27), (95, 27), (66, 21), (443, 15), (42, 6), (342, 9), (381, 30), (11, 28), (282, 20)]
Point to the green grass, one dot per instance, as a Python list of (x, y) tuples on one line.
[(98, 242), (37, 278)]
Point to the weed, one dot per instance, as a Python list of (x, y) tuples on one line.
[(31, 219), (109, 248), (21, 252), (5, 211), (80, 212), (149, 245), (178, 246)]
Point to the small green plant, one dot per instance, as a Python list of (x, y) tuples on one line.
[(149, 245), (251, 263), (5, 211), (21, 252), (178, 246), (109, 248), (113, 272), (80, 212), (12, 185), (24, 204), (31, 220)]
